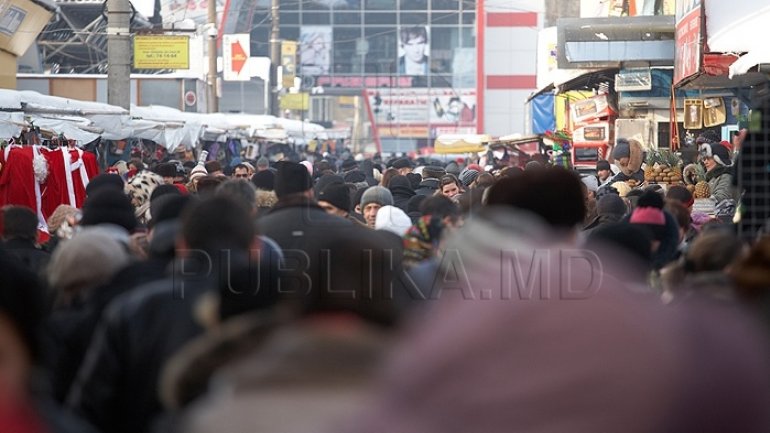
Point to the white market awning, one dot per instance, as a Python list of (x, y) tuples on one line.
[(739, 27)]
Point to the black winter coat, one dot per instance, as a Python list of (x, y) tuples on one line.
[(68, 331), (32, 258), (427, 187), (117, 386), (304, 231), (401, 196)]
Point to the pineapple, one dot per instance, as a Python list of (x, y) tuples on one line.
[(672, 173), (652, 170), (649, 165), (701, 189)]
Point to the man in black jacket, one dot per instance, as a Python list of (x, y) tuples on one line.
[(430, 180), (116, 387), (402, 191), (19, 235), (302, 229)]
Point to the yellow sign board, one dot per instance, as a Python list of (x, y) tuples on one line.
[(295, 101), (289, 62), (346, 101), (161, 52)]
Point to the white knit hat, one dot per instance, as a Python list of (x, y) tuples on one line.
[(198, 171), (392, 219)]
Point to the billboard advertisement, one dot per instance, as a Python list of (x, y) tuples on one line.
[(315, 50), (414, 50), (689, 39), (417, 112)]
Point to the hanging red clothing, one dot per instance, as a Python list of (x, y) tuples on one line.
[(17, 179), (19, 187), (70, 189)]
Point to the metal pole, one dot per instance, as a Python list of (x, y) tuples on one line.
[(213, 101), (119, 53), (266, 97), (275, 55)]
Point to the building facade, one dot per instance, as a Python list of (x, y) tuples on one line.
[(418, 68)]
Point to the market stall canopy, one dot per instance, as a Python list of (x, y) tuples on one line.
[(10, 100), (527, 144), (82, 121), (465, 143), (36, 101), (300, 129), (85, 121), (577, 79)]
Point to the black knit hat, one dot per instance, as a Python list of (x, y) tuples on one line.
[(264, 180), (291, 178), (622, 149), (414, 180), (109, 206), (338, 194), (168, 207), (162, 190), (110, 180), (166, 169), (326, 180), (402, 163), (399, 181), (349, 164), (355, 176), (611, 204)]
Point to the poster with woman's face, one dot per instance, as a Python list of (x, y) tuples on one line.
[(315, 46)]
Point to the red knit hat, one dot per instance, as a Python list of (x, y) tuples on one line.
[(649, 214)]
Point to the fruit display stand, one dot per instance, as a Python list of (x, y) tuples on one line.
[(663, 167)]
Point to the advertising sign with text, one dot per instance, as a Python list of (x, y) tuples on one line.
[(689, 39), (418, 111)]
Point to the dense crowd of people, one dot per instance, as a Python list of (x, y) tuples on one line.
[(370, 295)]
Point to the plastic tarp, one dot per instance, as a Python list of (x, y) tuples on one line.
[(298, 128), (11, 124), (543, 118), (259, 126), (10, 100), (80, 120), (180, 128), (72, 128), (456, 144), (35, 100)]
